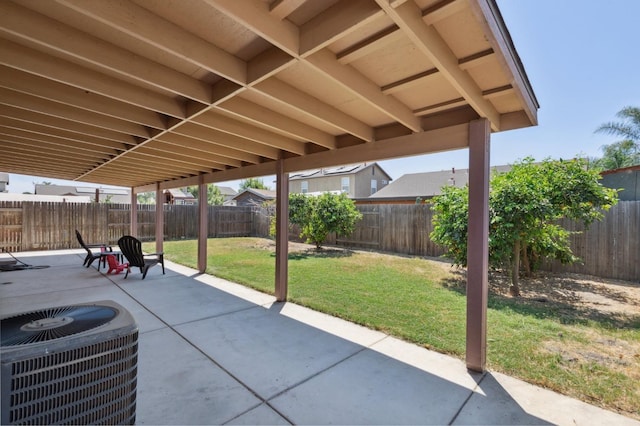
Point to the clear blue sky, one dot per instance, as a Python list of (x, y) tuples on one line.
[(583, 60)]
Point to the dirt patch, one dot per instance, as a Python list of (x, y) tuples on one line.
[(581, 291)]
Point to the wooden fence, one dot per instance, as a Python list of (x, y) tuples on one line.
[(28, 226), (609, 249)]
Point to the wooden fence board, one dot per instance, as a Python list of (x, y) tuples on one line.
[(609, 249)]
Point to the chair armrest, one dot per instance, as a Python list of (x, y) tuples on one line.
[(160, 253), (100, 246)]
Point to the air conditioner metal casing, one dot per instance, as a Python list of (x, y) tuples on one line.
[(86, 378)]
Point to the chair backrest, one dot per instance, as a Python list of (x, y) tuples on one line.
[(131, 247), (81, 241), (113, 262)]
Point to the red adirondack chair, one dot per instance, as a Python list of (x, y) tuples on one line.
[(115, 266)]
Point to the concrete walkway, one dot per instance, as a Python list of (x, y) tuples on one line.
[(213, 352)]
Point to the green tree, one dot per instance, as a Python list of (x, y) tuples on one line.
[(214, 196), (254, 183), (146, 197), (524, 207), (320, 215), (625, 152)]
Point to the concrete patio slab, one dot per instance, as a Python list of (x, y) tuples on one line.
[(179, 385), (215, 352), (178, 299), (503, 400), (266, 351)]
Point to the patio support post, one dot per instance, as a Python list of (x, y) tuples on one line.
[(282, 231), (478, 244), (133, 220), (159, 219), (203, 225)]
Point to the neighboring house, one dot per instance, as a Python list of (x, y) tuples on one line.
[(111, 195), (227, 192), (4, 182), (44, 198), (254, 197), (356, 180), (410, 188), (179, 197), (627, 179)]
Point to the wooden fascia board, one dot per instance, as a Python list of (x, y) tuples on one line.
[(426, 142), (445, 139), (409, 18), (498, 36)]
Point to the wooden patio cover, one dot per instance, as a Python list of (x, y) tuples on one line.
[(157, 94)]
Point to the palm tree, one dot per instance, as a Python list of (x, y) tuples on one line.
[(625, 152)]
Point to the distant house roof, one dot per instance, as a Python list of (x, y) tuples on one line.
[(334, 171), (267, 194), (116, 195), (227, 191), (428, 184), (45, 198), (254, 197), (626, 179)]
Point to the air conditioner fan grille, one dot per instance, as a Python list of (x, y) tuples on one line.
[(53, 323)]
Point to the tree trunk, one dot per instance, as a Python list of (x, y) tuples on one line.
[(514, 290), (525, 260)]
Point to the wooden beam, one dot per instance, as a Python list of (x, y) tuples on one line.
[(53, 35), (203, 225), (207, 146), (409, 18), (68, 112), (78, 98), (478, 245), (351, 80), (286, 94), (63, 124), (282, 231), (439, 140), (36, 63), (133, 217), (131, 19), (283, 8), (370, 45), (159, 219), (255, 15), (334, 23), (277, 122), (252, 133)]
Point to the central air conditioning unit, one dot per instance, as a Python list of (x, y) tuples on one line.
[(69, 365)]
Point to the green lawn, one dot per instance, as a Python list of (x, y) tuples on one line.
[(596, 359)]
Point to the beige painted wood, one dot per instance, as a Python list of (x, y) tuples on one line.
[(224, 89)]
